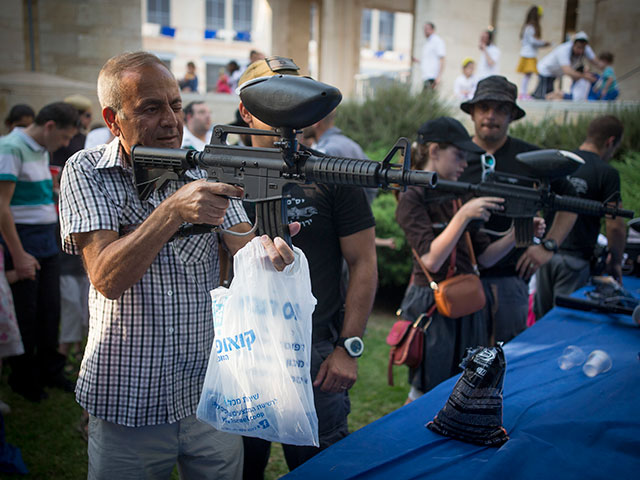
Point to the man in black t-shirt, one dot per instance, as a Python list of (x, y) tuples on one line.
[(492, 108), (596, 180), (336, 223)]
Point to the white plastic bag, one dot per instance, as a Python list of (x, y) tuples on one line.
[(258, 381)]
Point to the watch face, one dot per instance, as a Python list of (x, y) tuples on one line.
[(354, 346), (550, 245)]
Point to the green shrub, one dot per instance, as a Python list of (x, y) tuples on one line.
[(569, 136), (392, 113), (394, 266), (629, 168)]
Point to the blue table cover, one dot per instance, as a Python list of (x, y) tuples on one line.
[(561, 424)]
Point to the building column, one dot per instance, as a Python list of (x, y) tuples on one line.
[(339, 42), (291, 30)]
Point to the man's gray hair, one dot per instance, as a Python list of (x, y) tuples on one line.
[(109, 85)]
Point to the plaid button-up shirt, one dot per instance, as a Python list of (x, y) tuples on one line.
[(147, 351)]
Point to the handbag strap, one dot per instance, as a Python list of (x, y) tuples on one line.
[(411, 332), (452, 259), (467, 237)]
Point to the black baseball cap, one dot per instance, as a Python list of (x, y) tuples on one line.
[(447, 130)]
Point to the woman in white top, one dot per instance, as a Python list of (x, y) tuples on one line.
[(530, 34), (489, 62)]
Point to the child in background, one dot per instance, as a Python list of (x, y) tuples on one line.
[(606, 88), (465, 85), (530, 34), (222, 86)]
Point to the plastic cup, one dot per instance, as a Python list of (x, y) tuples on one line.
[(571, 357), (597, 362)]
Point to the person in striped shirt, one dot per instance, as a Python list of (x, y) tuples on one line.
[(28, 223)]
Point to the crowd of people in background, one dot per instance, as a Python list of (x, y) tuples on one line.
[(565, 59), (102, 228)]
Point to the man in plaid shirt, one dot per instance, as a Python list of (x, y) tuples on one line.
[(151, 328)]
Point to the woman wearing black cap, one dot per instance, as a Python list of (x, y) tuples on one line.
[(434, 224)]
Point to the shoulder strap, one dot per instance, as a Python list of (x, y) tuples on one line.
[(452, 259), (472, 255)]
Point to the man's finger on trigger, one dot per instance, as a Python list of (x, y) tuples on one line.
[(294, 228), (226, 190)]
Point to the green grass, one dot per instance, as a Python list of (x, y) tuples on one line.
[(53, 448)]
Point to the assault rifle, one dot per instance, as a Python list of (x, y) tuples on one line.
[(267, 174), (522, 203), (607, 297)]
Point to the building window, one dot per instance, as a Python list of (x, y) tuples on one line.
[(386, 30), (365, 29), (242, 15), (215, 14), (158, 12)]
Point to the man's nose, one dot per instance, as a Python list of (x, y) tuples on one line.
[(169, 117)]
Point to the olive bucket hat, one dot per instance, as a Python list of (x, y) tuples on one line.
[(497, 89)]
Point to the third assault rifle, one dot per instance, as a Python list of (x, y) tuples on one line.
[(523, 203), (267, 174)]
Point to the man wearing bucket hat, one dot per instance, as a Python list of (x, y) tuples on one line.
[(492, 108), (565, 59), (336, 223)]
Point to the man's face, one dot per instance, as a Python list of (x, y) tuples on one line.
[(264, 141), (491, 119), (578, 48), (428, 30), (151, 112), (55, 137), (200, 121), (611, 148), (85, 119)]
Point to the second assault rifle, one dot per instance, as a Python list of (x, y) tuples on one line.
[(523, 203), (267, 174)]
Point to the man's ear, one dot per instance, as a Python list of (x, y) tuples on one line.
[(610, 142), (49, 126), (244, 113), (110, 119)]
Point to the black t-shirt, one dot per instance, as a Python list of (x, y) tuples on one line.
[(595, 180), (326, 213), (419, 212), (506, 163)]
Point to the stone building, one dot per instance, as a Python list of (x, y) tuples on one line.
[(52, 48)]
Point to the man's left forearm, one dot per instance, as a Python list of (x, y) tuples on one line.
[(561, 226), (361, 293), (360, 256)]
